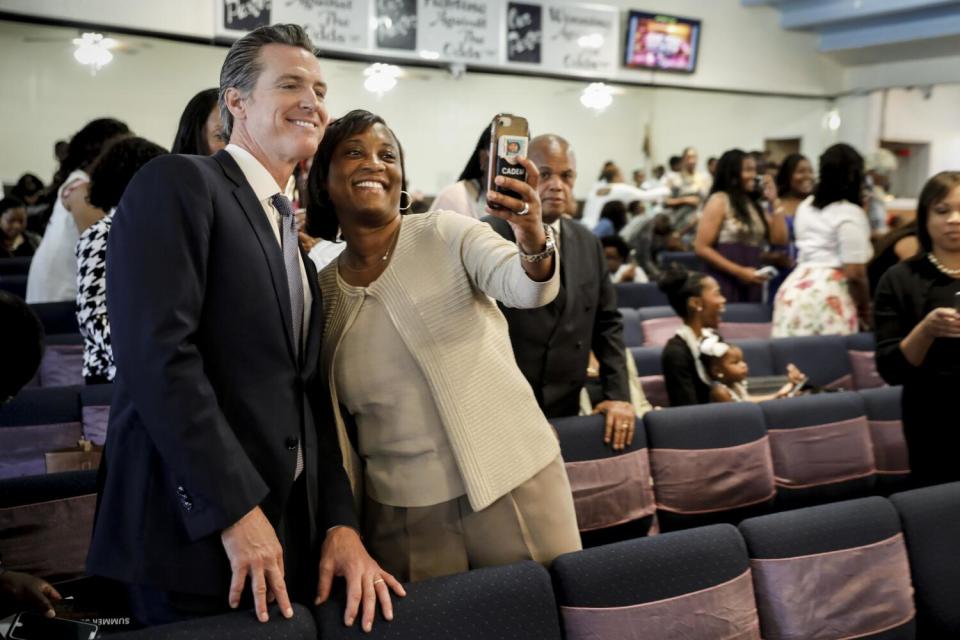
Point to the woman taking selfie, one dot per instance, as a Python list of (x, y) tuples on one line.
[(442, 435), (917, 326)]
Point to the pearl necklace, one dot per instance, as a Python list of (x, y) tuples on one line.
[(953, 273)]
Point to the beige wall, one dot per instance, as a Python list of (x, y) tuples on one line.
[(46, 96)]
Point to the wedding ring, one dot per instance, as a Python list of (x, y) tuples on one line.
[(378, 580), (525, 210)]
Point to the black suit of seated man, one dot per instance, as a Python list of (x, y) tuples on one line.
[(222, 461), (552, 344)]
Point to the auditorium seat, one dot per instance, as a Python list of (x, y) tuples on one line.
[(931, 524), (823, 359), (639, 294), (14, 283), (632, 335), (647, 361), (512, 601), (861, 348), (693, 584), (833, 571), (237, 625), (612, 491), (757, 355), (95, 411), (710, 463), (657, 325), (741, 321), (46, 522), (884, 414), (15, 266), (744, 320), (821, 448), (687, 259), (57, 317), (34, 422), (62, 363)]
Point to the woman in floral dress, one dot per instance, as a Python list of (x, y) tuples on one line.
[(828, 292)]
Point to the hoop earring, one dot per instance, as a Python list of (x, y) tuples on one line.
[(409, 200)]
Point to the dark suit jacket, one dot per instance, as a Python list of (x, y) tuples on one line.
[(552, 344), (210, 400)]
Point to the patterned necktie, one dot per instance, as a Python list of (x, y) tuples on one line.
[(291, 264)]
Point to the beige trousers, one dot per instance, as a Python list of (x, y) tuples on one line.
[(535, 521)]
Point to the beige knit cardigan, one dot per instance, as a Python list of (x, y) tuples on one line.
[(438, 290)]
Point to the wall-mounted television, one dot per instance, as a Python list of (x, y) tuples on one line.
[(662, 42)]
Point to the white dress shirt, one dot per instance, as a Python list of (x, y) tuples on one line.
[(265, 187)]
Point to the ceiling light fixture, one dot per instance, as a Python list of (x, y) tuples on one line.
[(380, 77), (597, 96), (93, 50)]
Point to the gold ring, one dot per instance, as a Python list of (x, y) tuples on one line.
[(378, 580)]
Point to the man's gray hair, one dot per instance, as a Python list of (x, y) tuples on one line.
[(242, 67)]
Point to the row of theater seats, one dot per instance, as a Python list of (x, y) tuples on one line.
[(654, 325), (686, 467), (691, 466), (870, 568), (830, 362), (831, 571)]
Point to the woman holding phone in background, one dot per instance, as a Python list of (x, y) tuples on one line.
[(917, 325), (735, 229), (415, 348)]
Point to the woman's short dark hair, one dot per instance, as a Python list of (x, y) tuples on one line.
[(86, 145), (679, 285), (616, 212), (322, 221), (472, 170), (841, 176), (191, 135), (936, 189), (618, 243), (785, 174), (27, 185), (11, 202), (115, 168), (728, 179)]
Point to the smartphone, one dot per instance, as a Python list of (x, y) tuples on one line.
[(33, 626), (797, 386), (509, 138)]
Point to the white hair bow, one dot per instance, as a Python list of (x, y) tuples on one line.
[(713, 346)]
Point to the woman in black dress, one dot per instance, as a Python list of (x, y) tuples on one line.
[(697, 299), (918, 332)]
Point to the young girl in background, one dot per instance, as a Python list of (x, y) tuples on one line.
[(725, 365)]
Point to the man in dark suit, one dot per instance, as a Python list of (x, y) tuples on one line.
[(552, 344), (222, 461)]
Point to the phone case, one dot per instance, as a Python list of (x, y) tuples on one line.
[(509, 138)]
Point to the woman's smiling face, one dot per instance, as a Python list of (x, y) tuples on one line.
[(365, 173)]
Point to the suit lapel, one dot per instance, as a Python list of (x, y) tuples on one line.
[(268, 241)]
